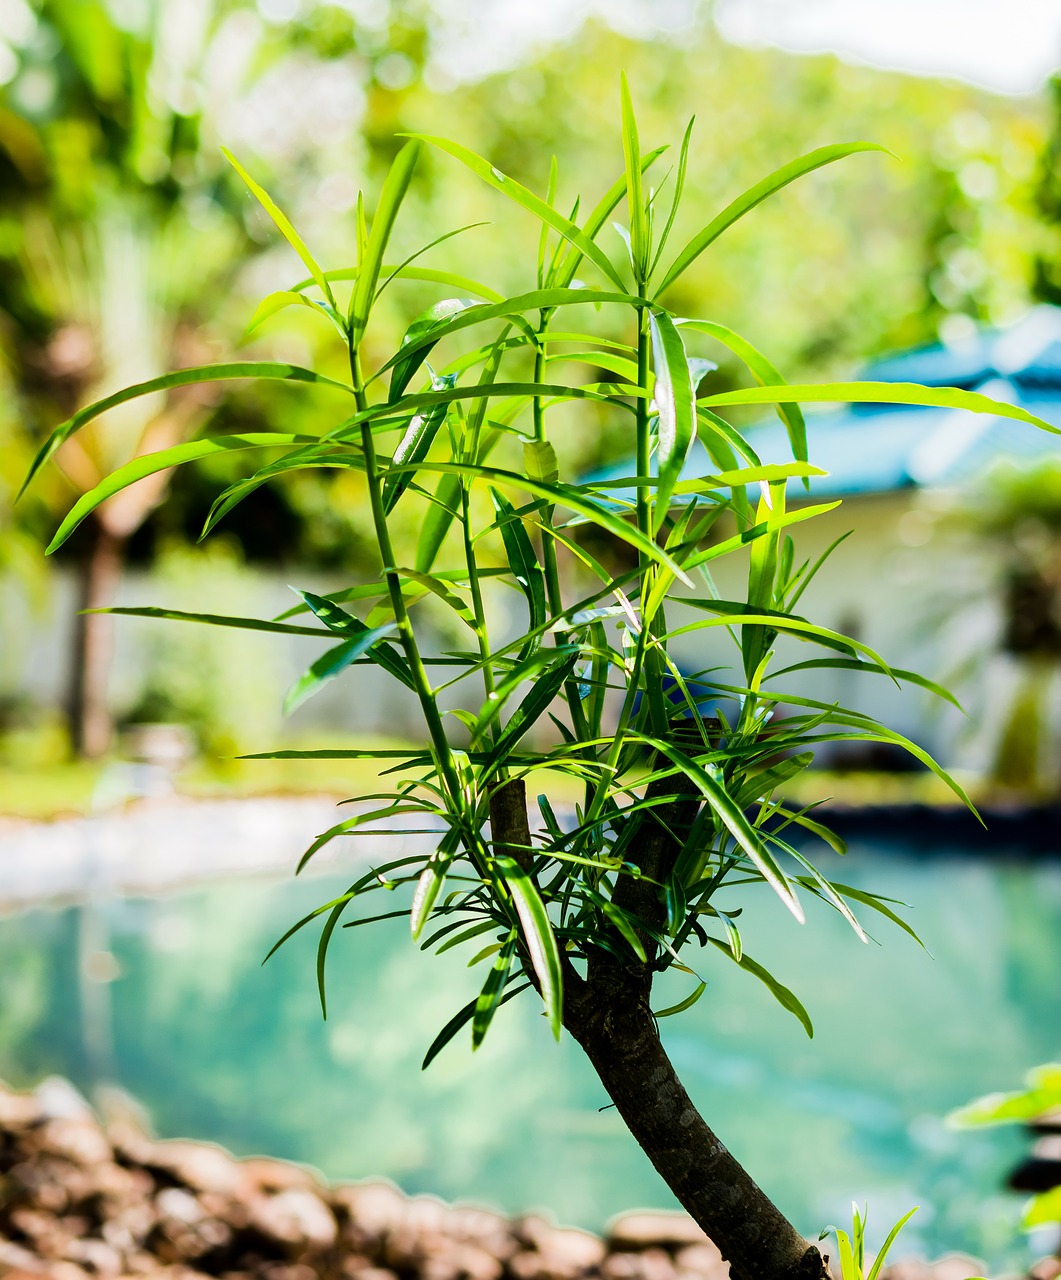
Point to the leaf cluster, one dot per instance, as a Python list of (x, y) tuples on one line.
[(458, 424)]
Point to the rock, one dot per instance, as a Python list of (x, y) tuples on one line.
[(197, 1165), (1046, 1269), (77, 1138), (278, 1175), (295, 1217), (370, 1209), (701, 1262), (57, 1099), (634, 1231)]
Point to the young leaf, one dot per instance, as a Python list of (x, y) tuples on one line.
[(532, 203), (283, 225), (395, 186), (640, 248), (676, 403)]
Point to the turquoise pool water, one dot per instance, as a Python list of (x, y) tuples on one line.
[(185, 1018)]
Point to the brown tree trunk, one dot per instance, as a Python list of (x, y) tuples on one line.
[(609, 1013), (91, 723)]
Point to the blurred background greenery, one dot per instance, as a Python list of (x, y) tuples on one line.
[(127, 247)]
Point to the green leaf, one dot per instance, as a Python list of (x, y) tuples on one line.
[(525, 568), (854, 664), (557, 670), (539, 939), (763, 372), (414, 445), (682, 1005), (882, 393), (283, 225), (756, 195), (438, 588), (540, 461), (402, 271), (640, 248), (179, 378), (778, 990), (336, 619), (322, 947), (564, 273), (565, 495), (150, 463), (679, 187), (458, 1020), (490, 996), (214, 620), (418, 336), (395, 186), (273, 303), (331, 664), (532, 203), (732, 817), (878, 1262), (676, 404), (427, 891)]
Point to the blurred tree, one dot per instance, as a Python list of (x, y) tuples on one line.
[(1047, 278), (114, 248)]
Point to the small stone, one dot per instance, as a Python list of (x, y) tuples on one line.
[(179, 1205), (197, 1165), (97, 1255), (458, 1260), (645, 1230), (701, 1262), (1046, 1269), (57, 1099), (77, 1138), (372, 1209), (278, 1175), (18, 1110), (295, 1217)]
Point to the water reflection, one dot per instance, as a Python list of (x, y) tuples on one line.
[(218, 1047)]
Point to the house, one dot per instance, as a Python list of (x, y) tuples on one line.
[(925, 598)]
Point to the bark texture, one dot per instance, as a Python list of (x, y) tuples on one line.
[(610, 1015)]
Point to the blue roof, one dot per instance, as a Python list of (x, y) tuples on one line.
[(881, 448)]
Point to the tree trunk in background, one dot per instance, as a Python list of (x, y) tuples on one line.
[(91, 722)]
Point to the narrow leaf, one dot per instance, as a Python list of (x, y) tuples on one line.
[(539, 939), (331, 664), (179, 378), (756, 195), (395, 186), (149, 464), (283, 225), (786, 998), (676, 404), (532, 203), (882, 393)]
